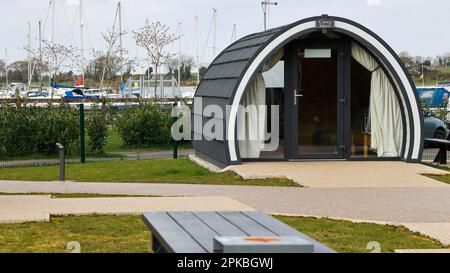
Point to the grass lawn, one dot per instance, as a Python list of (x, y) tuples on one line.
[(121, 234), (181, 171), (113, 234), (114, 145)]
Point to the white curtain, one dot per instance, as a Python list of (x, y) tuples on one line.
[(385, 115), (251, 124), (251, 120)]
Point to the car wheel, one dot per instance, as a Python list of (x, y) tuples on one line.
[(440, 134)]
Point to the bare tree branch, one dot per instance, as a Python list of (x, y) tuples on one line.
[(154, 38)]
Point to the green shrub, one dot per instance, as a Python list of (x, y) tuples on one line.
[(97, 130), (18, 130), (29, 130), (144, 126), (57, 125)]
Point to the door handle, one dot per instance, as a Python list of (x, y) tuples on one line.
[(296, 95)]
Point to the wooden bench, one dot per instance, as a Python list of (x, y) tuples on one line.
[(443, 145), (194, 232)]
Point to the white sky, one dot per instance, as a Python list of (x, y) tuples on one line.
[(417, 26)]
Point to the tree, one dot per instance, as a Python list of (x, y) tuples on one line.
[(186, 66), (154, 38), (406, 59), (184, 63), (202, 71), (59, 56), (172, 65), (111, 61), (2, 67), (18, 71)]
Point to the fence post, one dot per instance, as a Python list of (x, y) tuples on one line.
[(62, 163), (82, 140), (174, 142)]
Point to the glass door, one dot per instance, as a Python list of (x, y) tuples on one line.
[(318, 100)]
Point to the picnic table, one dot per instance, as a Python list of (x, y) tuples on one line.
[(443, 145), (195, 232)]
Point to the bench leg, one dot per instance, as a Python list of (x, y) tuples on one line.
[(156, 246), (441, 157)]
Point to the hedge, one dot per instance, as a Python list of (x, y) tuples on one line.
[(144, 126), (29, 130), (97, 130)]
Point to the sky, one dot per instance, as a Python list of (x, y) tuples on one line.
[(417, 26)]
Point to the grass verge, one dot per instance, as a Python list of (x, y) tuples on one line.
[(442, 178), (349, 237), (122, 234), (179, 171)]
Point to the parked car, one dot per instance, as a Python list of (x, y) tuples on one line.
[(434, 127)]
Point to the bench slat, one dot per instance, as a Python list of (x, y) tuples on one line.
[(197, 229), (283, 229), (219, 224), (171, 236), (438, 141), (246, 224)]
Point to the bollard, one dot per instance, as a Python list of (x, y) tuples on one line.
[(62, 163), (175, 144)]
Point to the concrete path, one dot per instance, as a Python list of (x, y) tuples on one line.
[(342, 174), (29, 208), (398, 205), (422, 251), (421, 209), (440, 231)]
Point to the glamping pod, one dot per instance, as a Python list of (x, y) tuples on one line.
[(319, 89)]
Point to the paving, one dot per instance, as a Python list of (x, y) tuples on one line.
[(421, 209), (422, 251), (440, 231), (30, 208), (343, 174), (400, 205)]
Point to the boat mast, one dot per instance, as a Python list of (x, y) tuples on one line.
[(179, 55), (120, 39), (197, 57), (233, 34), (30, 76), (40, 55), (53, 3), (6, 67), (214, 32), (82, 40)]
